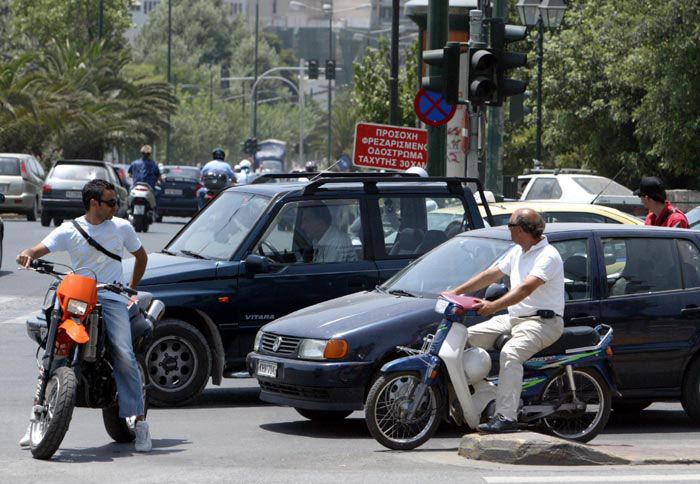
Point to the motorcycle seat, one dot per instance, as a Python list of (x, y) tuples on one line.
[(572, 337)]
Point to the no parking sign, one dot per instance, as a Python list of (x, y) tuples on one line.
[(432, 109)]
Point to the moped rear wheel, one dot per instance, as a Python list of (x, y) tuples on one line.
[(47, 430), (385, 412), (578, 425)]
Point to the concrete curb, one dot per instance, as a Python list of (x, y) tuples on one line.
[(529, 448)]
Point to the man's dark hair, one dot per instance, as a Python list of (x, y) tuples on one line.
[(94, 189), (320, 212)]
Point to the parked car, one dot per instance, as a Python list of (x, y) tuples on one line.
[(255, 253), (693, 217), (178, 191), (642, 281), (123, 174), (62, 192), (21, 177)]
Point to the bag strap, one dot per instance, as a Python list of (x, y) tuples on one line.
[(94, 243)]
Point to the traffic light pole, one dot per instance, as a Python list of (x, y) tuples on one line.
[(494, 136), (476, 39), (437, 38)]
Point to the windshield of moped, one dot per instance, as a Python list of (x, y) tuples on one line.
[(448, 266), (218, 231)]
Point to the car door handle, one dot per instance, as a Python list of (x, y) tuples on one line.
[(690, 311), (584, 319)]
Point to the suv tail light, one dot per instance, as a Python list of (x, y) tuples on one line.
[(196, 188), (46, 188), (23, 170)]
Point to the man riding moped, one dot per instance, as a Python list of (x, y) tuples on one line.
[(95, 243), (216, 175)]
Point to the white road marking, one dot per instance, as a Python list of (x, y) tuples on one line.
[(601, 478), (6, 299), (19, 319)]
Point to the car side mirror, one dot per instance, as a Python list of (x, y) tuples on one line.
[(2, 197), (258, 264), (610, 259), (495, 291)]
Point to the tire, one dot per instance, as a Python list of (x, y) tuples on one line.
[(178, 363), (323, 415), (622, 406), (578, 426), (690, 394), (122, 429), (57, 221), (33, 212), (139, 222), (45, 218), (386, 424), (47, 433), (159, 218)]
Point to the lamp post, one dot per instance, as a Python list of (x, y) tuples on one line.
[(545, 14), (168, 148)]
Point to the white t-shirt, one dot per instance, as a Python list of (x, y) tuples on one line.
[(115, 235), (543, 262), (334, 246)]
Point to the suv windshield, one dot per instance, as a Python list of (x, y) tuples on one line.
[(218, 231), (604, 186), (79, 172), (447, 267)]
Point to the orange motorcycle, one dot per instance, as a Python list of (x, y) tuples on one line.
[(76, 367)]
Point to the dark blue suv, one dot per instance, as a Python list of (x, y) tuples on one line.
[(263, 250)]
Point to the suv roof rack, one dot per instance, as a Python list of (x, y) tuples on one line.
[(557, 171), (268, 177)]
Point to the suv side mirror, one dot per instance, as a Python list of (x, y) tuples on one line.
[(258, 264), (2, 197)]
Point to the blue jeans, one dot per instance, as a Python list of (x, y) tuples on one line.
[(126, 369)]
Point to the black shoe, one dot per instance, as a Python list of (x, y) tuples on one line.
[(498, 424)]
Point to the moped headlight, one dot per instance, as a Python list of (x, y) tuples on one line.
[(77, 307), (256, 343), (312, 349)]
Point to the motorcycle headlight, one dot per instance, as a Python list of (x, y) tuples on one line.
[(256, 343), (312, 349), (77, 307)]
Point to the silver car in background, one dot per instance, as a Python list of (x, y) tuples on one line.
[(21, 179)]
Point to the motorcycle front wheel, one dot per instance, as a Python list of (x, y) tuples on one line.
[(578, 425), (47, 430), (385, 412)]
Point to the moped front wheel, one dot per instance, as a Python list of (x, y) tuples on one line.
[(387, 416), (578, 425), (48, 429)]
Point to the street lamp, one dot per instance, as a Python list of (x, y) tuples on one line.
[(545, 14)]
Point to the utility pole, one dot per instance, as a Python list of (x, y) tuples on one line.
[(494, 153), (477, 39), (394, 74), (101, 20), (168, 147), (254, 134), (330, 82), (437, 38)]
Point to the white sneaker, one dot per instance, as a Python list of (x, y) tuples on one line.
[(24, 441), (143, 437)]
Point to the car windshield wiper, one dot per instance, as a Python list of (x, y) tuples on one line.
[(401, 292), (192, 254), (166, 251)]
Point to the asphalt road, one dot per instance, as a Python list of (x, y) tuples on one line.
[(228, 435)]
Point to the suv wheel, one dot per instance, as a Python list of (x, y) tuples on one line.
[(45, 218), (33, 212), (57, 221), (323, 415), (178, 362), (690, 397)]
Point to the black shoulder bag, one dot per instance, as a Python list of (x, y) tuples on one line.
[(94, 243)]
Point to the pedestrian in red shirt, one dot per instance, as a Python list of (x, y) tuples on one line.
[(661, 213)]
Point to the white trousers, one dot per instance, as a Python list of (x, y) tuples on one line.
[(528, 337)]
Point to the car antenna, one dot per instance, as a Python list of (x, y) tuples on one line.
[(606, 186), (320, 173)]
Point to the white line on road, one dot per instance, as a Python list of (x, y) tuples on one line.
[(602, 478), (19, 319), (6, 299)]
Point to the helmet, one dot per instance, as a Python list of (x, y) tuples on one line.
[(477, 364), (245, 164), (418, 171), (310, 166), (146, 150), (218, 154)]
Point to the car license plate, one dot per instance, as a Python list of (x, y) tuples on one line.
[(173, 191), (72, 194), (441, 305), (139, 209), (267, 368)]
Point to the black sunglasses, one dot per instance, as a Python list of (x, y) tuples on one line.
[(511, 225), (110, 203)]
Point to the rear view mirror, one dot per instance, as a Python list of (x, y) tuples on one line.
[(259, 264), (610, 259), (2, 197)]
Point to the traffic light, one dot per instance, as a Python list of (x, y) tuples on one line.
[(250, 146), (313, 69), (447, 80), (330, 69), (501, 35), (482, 77)]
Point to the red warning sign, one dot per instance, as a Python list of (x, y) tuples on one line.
[(387, 147)]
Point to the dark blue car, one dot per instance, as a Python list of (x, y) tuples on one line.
[(178, 191), (642, 281)]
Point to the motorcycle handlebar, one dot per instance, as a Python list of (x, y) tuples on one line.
[(117, 289)]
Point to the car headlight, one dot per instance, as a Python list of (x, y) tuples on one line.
[(77, 307), (256, 343), (321, 349)]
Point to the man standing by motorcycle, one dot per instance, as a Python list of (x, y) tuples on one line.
[(535, 305), (96, 242), (216, 165)]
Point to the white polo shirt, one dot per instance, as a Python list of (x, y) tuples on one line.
[(543, 262)]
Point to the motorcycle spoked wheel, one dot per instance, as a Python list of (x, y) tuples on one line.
[(48, 430), (122, 429), (386, 401), (584, 425)]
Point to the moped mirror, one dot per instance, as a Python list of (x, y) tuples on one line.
[(495, 291)]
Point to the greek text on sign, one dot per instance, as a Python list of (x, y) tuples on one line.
[(387, 147)]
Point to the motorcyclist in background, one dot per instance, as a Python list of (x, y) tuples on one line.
[(216, 165), (245, 175), (146, 170)]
